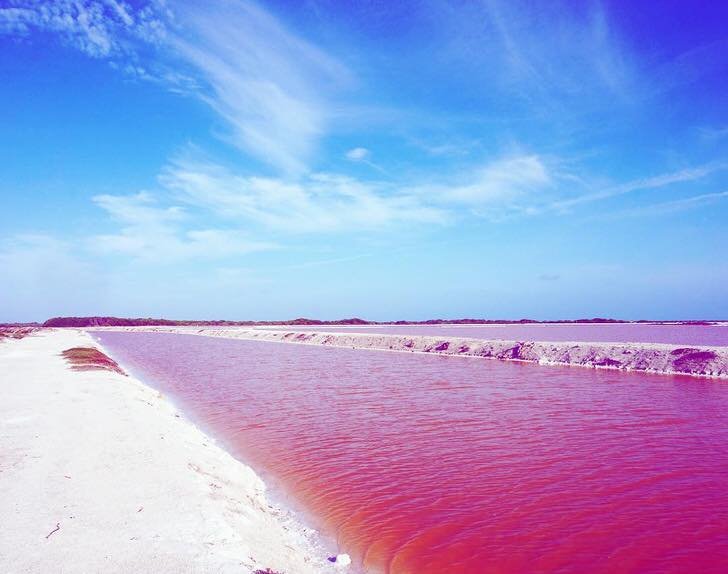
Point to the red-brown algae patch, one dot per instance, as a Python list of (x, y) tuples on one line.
[(16, 332), (90, 359)]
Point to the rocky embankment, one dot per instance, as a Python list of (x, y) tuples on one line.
[(646, 357)]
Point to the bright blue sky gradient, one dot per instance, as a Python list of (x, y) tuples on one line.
[(388, 160)]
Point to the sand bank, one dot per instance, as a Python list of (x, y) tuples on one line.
[(646, 357), (100, 473)]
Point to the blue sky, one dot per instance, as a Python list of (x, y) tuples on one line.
[(389, 160)]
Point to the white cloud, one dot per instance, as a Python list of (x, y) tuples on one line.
[(551, 54), (503, 181), (161, 234), (676, 205), (457, 148), (138, 209), (511, 185), (272, 89), (514, 185), (122, 11), (326, 202), (100, 28), (362, 155), (357, 154), (270, 86), (15, 20), (654, 182), (318, 203)]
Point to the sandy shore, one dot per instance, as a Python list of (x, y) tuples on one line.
[(99, 473), (646, 357)]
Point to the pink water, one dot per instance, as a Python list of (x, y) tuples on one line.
[(611, 332), (426, 464)]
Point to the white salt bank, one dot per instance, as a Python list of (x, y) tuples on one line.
[(100, 473)]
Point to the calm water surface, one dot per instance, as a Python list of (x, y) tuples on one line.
[(615, 333), (425, 464)]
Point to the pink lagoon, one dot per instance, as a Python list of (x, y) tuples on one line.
[(428, 464)]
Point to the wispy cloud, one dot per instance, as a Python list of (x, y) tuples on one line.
[(568, 57), (530, 184), (675, 205), (501, 182), (552, 54), (271, 88), (691, 66), (713, 134), (507, 186), (654, 182), (318, 203), (162, 234), (510, 185), (502, 188), (446, 148)]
